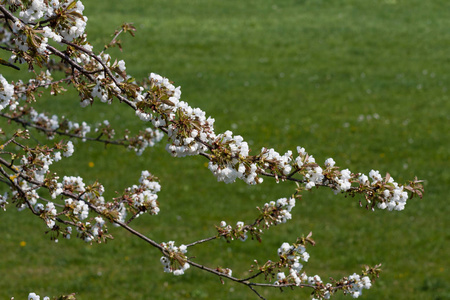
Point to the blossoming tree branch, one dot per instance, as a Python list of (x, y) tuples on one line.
[(48, 38)]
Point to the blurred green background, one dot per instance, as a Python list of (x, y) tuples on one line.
[(364, 82)]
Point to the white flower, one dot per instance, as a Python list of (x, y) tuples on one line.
[(178, 272), (281, 276), (183, 248), (69, 150), (310, 185), (297, 266), (375, 175), (363, 179), (346, 174), (284, 249), (314, 279), (3, 201), (356, 294), (51, 35), (33, 296), (228, 271), (164, 260), (382, 205), (305, 256), (57, 156), (121, 65), (330, 162), (170, 246), (6, 95), (366, 283), (299, 161), (186, 266), (301, 150), (39, 207)]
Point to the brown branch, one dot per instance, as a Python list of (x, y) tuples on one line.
[(113, 40), (18, 189), (24, 123), (256, 292), (105, 69), (7, 14), (67, 58)]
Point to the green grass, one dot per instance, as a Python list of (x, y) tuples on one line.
[(282, 74)]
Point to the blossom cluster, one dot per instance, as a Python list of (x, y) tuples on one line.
[(33, 176), (187, 127), (34, 296), (92, 232), (394, 196), (146, 138), (6, 94), (35, 164), (234, 164), (29, 192), (273, 213), (174, 260), (12, 93), (48, 213), (357, 284), (291, 255), (69, 24), (53, 125), (240, 231), (192, 133), (79, 209), (3, 200), (283, 163), (230, 159), (143, 197), (277, 212)]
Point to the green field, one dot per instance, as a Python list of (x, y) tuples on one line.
[(364, 82)]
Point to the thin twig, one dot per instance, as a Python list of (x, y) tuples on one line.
[(202, 241), (253, 276), (256, 292), (47, 130)]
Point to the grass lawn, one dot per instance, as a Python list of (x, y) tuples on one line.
[(364, 82)]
